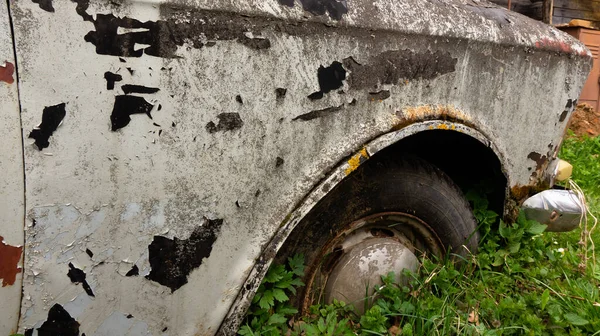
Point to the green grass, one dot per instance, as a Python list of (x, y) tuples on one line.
[(522, 282), (584, 155)]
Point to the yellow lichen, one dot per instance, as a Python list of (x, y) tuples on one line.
[(356, 160)]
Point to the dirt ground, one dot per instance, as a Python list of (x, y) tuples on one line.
[(585, 121)]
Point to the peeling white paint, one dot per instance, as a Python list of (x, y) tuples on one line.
[(113, 192), (12, 205), (118, 324), (78, 305)]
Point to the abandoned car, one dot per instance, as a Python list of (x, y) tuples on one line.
[(158, 156)]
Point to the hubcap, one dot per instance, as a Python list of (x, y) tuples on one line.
[(361, 268), (354, 261)]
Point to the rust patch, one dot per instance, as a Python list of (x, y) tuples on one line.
[(6, 73), (539, 159), (411, 115), (518, 195), (521, 192), (9, 262), (356, 160)]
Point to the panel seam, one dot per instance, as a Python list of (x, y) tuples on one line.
[(18, 83)]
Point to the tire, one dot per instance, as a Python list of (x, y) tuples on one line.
[(407, 185)]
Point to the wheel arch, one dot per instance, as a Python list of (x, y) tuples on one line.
[(387, 144)]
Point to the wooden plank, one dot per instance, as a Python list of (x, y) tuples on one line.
[(588, 5), (577, 14), (547, 11), (557, 20), (504, 3), (577, 9), (524, 7)]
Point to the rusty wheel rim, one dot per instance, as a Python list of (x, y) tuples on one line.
[(397, 232)]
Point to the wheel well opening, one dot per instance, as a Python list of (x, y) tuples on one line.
[(466, 160), (386, 184)]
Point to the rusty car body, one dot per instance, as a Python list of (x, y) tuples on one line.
[(157, 154)]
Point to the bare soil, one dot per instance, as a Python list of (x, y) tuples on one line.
[(585, 121)]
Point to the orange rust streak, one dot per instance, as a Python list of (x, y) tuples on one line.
[(410, 115), (9, 262), (521, 192), (6, 73)]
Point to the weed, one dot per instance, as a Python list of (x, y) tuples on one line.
[(584, 155), (330, 320), (270, 309), (522, 282)]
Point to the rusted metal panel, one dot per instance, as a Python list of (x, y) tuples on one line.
[(174, 140), (12, 184)]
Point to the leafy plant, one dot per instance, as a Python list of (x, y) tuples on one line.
[(523, 281), (270, 311), (329, 320)]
